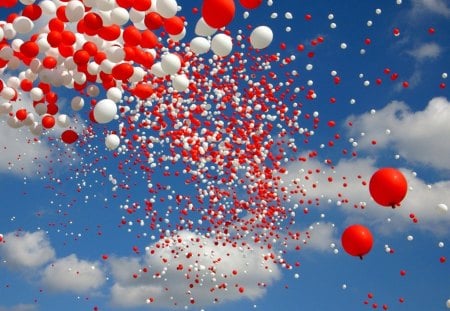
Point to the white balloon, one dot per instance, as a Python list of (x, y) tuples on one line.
[(167, 8), (112, 141), (40, 109), (5, 107), (448, 303), (221, 44), (23, 24), (138, 75), (93, 90), (9, 31), (203, 29), (27, 2), (261, 37), (48, 7), (170, 63), (179, 36), (63, 120), (115, 54), (119, 16), (157, 70), (443, 207), (13, 122), (77, 103), (136, 16), (105, 111), (29, 121), (200, 45), (105, 5), (114, 94), (8, 93), (180, 82), (74, 11), (2, 34), (36, 129)]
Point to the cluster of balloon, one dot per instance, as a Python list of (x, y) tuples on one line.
[(388, 187), (357, 240)]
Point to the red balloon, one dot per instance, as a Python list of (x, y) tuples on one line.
[(357, 240), (8, 3), (218, 13), (153, 20), (250, 4), (69, 136), (122, 71), (174, 25), (21, 114), (132, 36), (32, 11), (388, 186), (29, 49), (48, 121)]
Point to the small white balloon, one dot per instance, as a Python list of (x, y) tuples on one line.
[(63, 120), (77, 103), (112, 141), (443, 207), (221, 44), (261, 37), (180, 82), (105, 111), (114, 94), (448, 303)]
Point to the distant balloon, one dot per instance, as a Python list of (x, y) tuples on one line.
[(443, 207), (448, 303), (250, 4), (69, 136), (112, 141), (388, 187), (357, 240)]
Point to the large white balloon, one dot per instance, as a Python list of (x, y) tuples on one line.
[(221, 44), (167, 8), (112, 141), (170, 63), (157, 70), (200, 45), (23, 24), (261, 37), (105, 111)]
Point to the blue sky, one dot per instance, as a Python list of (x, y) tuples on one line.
[(75, 233)]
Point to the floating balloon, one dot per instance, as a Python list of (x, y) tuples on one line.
[(218, 13), (250, 4), (443, 207), (69, 136), (112, 141), (203, 29), (357, 240), (388, 187), (261, 37), (170, 63), (166, 8), (180, 82), (200, 45), (48, 121), (221, 44), (105, 111)]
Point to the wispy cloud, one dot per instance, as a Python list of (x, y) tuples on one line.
[(434, 6), (426, 51)]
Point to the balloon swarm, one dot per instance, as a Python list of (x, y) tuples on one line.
[(212, 129)]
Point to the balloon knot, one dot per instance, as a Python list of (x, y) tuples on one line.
[(361, 257)]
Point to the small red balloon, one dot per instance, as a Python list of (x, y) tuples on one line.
[(388, 186), (250, 4), (69, 136), (48, 121), (357, 240)]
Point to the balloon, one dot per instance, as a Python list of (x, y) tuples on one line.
[(104, 111), (448, 304), (112, 141), (442, 207), (180, 82), (74, 11), (119, 16), (8, 3), (63, 120), (32, 11), (250, 4), (153, 20), (69, 136), (122, 71), (203, 29), (21, 114), (174, 25), (77, 103), (261, 37), (167, 8), (388, 187), (23, 24), (48, 121), (142, 5), (132, 36), (218, 13), (30, 49), (221, 44), (357, 240), (200, 45), (170, 63)]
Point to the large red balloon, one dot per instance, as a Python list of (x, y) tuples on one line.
[(357, 240), (218, 13), (388, 186)]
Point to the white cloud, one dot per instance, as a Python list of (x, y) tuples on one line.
[(435, 6), (71, 274), (26, 250), (418, 137), (426, 50), (19, 307), (207, 268), (320, 236), (349, 188)]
